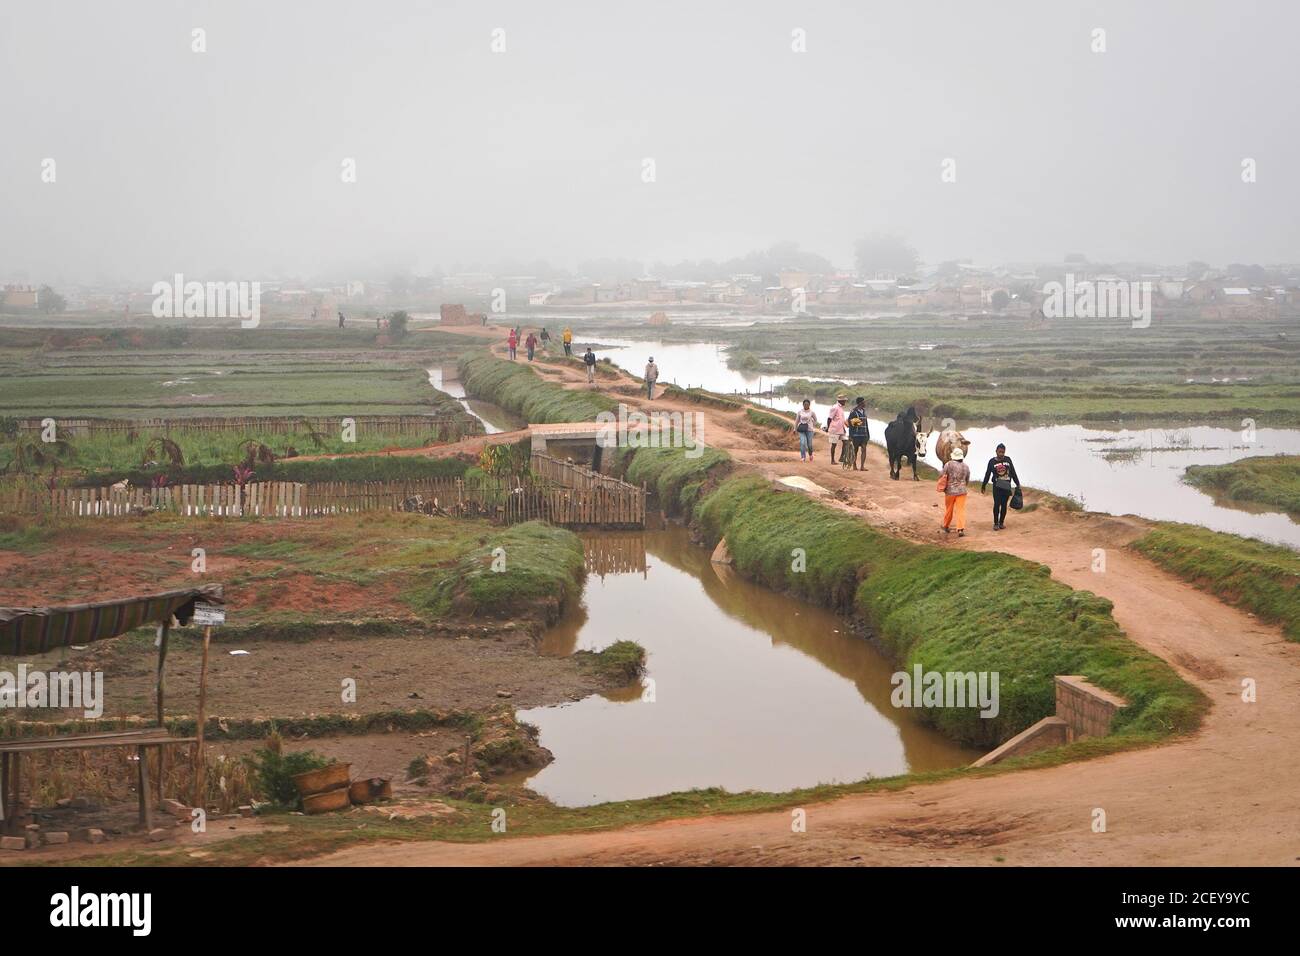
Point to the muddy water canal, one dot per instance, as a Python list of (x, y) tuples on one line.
[(751, 690)]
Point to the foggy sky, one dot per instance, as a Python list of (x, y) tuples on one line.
[(171, 161)]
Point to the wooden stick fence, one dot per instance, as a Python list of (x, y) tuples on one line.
[(268, 424), (600, 504)]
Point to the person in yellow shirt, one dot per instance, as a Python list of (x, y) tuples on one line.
[(568, 340)]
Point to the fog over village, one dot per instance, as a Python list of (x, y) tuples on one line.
[(714, 435)]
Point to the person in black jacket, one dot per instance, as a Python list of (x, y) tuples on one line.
[(1003, 474)]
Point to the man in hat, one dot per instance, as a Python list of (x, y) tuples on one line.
[(651, 376), (837, 425)]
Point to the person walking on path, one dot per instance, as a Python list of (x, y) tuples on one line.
[(530, 343), (805, 423), (651, 376), (545, 336), (952, 482), (1003, 473), (859, 434), (837, 427), (512, 343), (589, 360), (568, 340)]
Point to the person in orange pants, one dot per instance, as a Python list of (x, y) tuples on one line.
[(954, 503)]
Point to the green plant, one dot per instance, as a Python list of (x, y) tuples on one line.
[(274, 770)]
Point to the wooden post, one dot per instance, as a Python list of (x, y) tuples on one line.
[(15, 791), (163, 631), (4, 793), (200, 766), (142, 781), (162, 663)]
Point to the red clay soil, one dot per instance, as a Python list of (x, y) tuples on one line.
[(1229, 795), (100, 560)]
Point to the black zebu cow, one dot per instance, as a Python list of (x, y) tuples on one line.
[(904, 439)]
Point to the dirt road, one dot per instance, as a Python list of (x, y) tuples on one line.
[(1228, 796)]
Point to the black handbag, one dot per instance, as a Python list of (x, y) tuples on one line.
[(1017, 500)]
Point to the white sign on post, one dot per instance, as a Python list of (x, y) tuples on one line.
[(208, 615)]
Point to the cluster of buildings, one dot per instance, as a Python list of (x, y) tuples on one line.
[(950, 287), (954, 289)]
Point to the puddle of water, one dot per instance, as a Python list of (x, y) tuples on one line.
[(495, 419), (1062, 459), (752, 690)]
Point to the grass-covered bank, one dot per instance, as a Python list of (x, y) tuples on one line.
[(676, 478), (517, 388), (1261, 578), (949, 611), (530, 566), (1271, 480)]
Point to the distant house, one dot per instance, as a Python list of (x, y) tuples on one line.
[(456, 315), (20, 298), (776, 297), (539, 298), (1172, 289)]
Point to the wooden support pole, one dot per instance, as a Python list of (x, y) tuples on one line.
[(15, 791), (200, 765), (163, 631), (142, 772), (162, 664), (4, 793)]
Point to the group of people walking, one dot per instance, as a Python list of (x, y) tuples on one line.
[(954, 481), (535, 340), (846, 428), (849, 433)]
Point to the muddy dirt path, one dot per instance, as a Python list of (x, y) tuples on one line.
[(1229, 795)]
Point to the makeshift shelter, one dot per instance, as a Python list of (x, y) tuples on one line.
[(26, 631)]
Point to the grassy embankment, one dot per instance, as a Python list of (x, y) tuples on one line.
[(1269, 480), (945, 610), (517, 388), (951, 611), (1261, 578)]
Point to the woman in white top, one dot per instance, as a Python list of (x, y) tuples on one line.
[(805, 423)]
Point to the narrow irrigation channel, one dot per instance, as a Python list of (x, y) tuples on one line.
[(495, 419), (750, 689)]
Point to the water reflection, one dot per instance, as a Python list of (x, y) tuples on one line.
[(495, 419), (752, 690)]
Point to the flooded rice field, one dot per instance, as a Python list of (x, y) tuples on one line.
[(747, 689)]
